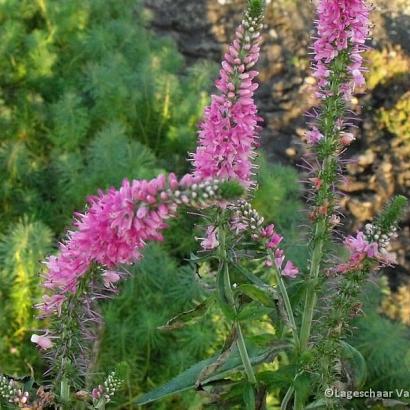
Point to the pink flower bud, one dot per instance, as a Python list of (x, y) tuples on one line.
[(110, 278), (347, 138), (42, 341)]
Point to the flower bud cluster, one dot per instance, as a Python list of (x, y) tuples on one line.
[(247, 219), (196, 193), (107, 390), (374, 233), (10, 392)]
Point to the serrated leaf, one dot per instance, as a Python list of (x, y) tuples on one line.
[(187, 379), (256, 280), (257, 293)]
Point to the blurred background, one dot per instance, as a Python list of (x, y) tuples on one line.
[(95, 91)]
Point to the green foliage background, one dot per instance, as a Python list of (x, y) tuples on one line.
[(88, 97)]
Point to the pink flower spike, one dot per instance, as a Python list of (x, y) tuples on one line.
[(228, 133), (290, 270), (110, 278), (211, 241), (42, 341), (373, 250)]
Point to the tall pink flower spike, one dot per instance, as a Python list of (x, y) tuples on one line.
[(342, 25), (228, 133)]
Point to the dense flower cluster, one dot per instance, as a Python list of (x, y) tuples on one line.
[(115, 228), (107, 390), (343, 25), (12, 393), (247, 219), (228, 134)]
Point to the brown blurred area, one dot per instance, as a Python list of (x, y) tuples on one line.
[(379, 160)]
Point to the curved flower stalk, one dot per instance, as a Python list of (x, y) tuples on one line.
[(228, 132), (112, 232), (247, 220), (367, 253)]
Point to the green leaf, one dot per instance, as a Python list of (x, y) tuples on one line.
[(253, 310), (231, 189), (258, 293), (283, 377), (262, 339), (358, 363), (249, 397), (302, 384), (318, 404), (256, 280), (179, 321), (187, 379), (226, 308)]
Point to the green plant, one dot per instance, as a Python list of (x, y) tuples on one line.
[(21, 249)]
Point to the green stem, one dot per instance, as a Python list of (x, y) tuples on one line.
[(65, 391), (288, 305), (298, 404), (311, 295), (286, 399), (243, 352)]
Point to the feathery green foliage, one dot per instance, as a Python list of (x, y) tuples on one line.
[(384, 344), (88, 97), (21, 249)]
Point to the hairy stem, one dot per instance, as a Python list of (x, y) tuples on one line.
[(231, 300), (288, 306), (311, 295)]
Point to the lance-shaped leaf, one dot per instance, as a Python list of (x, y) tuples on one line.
[(187, 379), (357, 361), (182, 319), (258, 293)]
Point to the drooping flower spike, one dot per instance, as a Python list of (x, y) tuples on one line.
[(229, 131), (118, 224)]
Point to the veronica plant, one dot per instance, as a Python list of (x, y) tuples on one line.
[(253, 278)]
